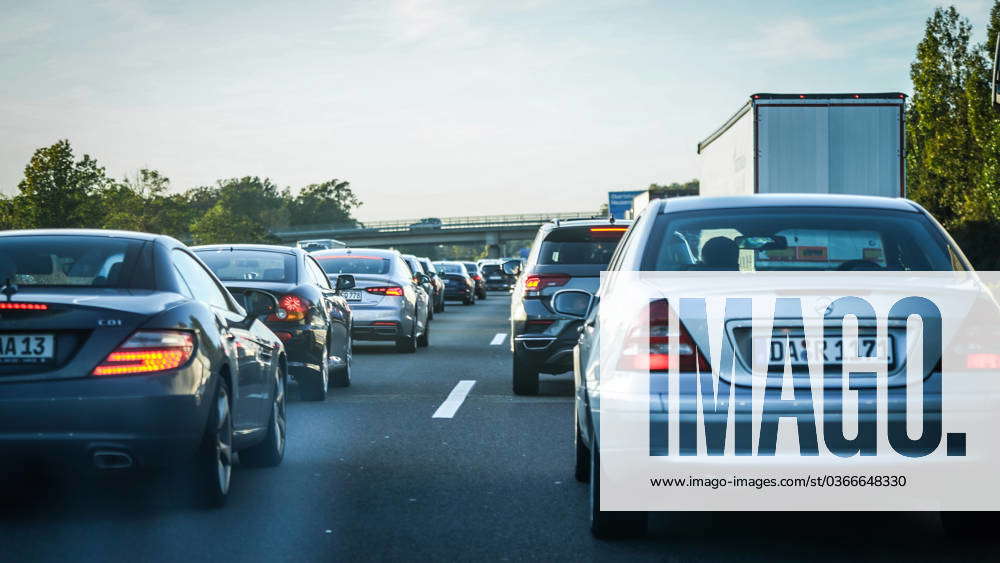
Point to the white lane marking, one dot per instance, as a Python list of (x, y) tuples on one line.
[(450, 405), (498, 339)]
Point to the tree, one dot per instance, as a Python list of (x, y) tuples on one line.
[(984, 201), (58, 191), (943, 155), (245, 210), (327, 203)]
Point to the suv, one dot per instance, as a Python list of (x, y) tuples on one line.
[(564, 255)]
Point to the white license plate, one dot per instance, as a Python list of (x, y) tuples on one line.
[(353, 295), (495, 277), (26, 348), (833, 349)]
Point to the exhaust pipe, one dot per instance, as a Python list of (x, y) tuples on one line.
[(109, 459)]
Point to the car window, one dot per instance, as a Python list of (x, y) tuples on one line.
[(62, 260), (249, 265), (202, 286), (451, 268), (318, 275), (580, 245), (428, 267), (334, 264), (796, 239)]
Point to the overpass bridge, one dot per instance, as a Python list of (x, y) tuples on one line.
[(489, 230)]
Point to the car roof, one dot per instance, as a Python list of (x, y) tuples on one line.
[(698, 203), (367, 251), (264, 247), (567, 223), (87, 232)]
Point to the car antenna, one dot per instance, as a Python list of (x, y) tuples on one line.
[(9, 289)]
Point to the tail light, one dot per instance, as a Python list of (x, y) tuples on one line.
[(290, 308), (607, 233), (659, 359), (148, 351), (535, 283), (982, 360), (392, 290), (23, 306), (477, 277)]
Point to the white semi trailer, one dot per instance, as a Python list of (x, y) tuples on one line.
[(808, 143)]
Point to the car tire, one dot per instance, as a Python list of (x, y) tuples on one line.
[(314, 387), (582, 470), (425, 339), (469, 301), (439, 306), (970, 525), (407, 344), (523, 379), (342, 375), (212, 470), (430, 312), (271, 451), (610, 525)]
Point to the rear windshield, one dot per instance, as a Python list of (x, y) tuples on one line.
[(470, 267), (67, 261), (580, 245), (428, 267), (797, 239), (451, 268), (414, 265), (250, 265), (353, 264), (491, 269)]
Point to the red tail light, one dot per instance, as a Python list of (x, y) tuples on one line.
[(982, 361), (688, 359), (535, 283), (7, 306), (148, 351), (477, 277), (392, 290), (290, 308)]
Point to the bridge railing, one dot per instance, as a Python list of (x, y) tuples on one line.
[(446, 223)]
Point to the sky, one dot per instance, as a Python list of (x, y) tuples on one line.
[(428, 107)]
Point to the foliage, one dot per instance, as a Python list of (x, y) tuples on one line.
[(60, 191), (674, 189)]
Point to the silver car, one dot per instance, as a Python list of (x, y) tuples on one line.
[(387, 302)]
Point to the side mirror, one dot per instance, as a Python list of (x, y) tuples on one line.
[(259, 303), (511, 267), (344, 281), (574, 303)]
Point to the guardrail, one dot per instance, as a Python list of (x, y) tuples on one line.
[(419, 225)]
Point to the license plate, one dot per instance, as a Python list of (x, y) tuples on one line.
[(352, 295), (833, 349), (495, 277), (26, 348)]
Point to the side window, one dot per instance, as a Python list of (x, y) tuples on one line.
[(616, 258), (404, 268), (199, 280), (317, 273)]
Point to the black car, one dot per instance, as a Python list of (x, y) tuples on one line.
[(121, 350), (458, 285), (437, 281), (312, 319), (477, 277), (496, 278)]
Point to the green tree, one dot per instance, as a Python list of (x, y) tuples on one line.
[(59, 191), (984, 200), (943, 155), (244, 210), (328, 203)]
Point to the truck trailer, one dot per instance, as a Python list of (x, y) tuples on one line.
[(808, 143)]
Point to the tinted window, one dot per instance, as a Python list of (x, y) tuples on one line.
[(354, 264), (491, 269), (62, 260), (580, 245), (451, 268), (250, 265), (795, 239), (202, 286)]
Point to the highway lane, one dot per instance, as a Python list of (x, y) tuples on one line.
[(370, 474)]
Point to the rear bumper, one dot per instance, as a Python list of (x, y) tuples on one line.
[(455, 294), (153, 419), (378, 323), (545, 354)]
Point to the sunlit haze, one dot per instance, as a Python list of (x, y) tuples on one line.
[(428, 108)]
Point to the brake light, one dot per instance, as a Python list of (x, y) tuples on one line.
[(7, 306), (659, 359), (148, 351), (477, 277), (982, 361), (535, 283), (608, 229), (290, 308), (392, 290)]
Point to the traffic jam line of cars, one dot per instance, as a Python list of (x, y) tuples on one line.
[(123, 350)]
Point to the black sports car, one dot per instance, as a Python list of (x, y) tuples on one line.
[(121, 350), (312, 319)]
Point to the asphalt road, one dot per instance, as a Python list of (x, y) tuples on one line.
[(370, 475)]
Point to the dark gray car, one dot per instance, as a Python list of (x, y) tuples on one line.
[(123, 351)]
